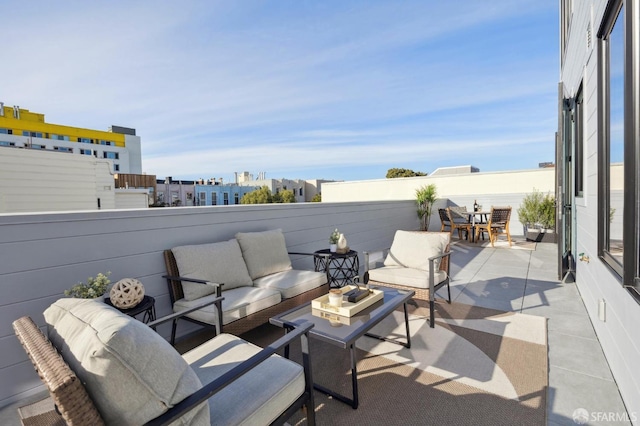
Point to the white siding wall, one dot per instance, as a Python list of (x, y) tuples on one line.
[(33, 180), (620, 334), (490, 188), (44, 254)]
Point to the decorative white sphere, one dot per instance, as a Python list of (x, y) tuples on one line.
[(126, 293)]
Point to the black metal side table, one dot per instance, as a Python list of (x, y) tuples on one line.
[(341, 268), (147, 307)]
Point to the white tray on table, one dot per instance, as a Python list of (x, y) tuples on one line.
[(348, 309)]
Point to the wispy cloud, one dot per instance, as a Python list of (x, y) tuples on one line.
[(294, 87)]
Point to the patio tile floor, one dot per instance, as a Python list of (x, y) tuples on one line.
[(526, 281), (579, 376)]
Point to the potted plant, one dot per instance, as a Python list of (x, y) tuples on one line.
[(92, 289), (537, 213), (333, 240), (425, 198)]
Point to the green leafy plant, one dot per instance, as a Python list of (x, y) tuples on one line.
[(425, 198), (334, 237), (538, 210), (94, 287)]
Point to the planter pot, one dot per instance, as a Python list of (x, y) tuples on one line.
[(333, 248), (541, 235)]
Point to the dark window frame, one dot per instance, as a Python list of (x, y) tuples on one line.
[(629, 272), (579, 143)]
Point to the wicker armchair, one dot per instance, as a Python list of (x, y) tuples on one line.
[(72, 396), (498, 224)]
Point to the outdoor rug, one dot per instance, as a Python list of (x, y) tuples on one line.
[(478, 366)]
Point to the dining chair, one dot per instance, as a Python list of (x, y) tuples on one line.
[(444, 220), (498, 223), (459, 223)]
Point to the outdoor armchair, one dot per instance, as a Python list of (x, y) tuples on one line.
[(416, 260), (104, 367)]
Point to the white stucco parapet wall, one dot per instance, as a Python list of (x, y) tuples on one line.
[(482, 184)]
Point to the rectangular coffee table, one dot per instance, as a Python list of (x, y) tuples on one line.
[(345, 331)]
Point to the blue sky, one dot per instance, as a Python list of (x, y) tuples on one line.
[(298, 89)]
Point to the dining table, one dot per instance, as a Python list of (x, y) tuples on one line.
[(474, 217)]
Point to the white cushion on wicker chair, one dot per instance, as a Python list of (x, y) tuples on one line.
[(130, 372), (264, 252), (412, 249), (216, 262), (238, 303), (263, 392), (410, 277), (292, 282)]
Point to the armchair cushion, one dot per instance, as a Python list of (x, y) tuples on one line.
[(292, 282), (238, 303), (411, 249), (130, 372), (264, 252), (399, 275), (216, 262), (280, 381)]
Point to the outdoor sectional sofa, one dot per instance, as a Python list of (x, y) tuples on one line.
[(252, 273)]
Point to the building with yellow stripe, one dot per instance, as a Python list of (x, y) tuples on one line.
[(21, 128)]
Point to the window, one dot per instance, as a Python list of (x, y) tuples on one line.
[(4, 131), (62, 149), (619, 142), (578, 121), (109, 143), (86, 152), (300, 193), (236, 198), (202, 198), (111, 155), (225, 198), (116, 167), (3, 143), (84, 140), (214, 198)]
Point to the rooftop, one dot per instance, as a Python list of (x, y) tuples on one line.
[(522, 279)]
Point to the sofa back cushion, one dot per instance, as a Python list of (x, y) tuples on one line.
[(412, 249), (216, 262), (131, 373), (265, 253)]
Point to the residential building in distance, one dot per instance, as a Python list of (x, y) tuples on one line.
[(47, 181), (216, 193), (304, 190), (175, 193), (21, 128)]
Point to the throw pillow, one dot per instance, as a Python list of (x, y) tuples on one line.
[(265, 253)]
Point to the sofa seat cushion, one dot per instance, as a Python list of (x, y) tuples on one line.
[(257, 397), (413, 249), (265, 253), (238, 303), (130, 372), (216, 262), (405, 276), (292, 282)]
